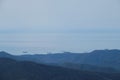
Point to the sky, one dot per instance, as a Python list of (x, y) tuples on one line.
[(44, 26)]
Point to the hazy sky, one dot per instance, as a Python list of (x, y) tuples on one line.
[(41, 26)]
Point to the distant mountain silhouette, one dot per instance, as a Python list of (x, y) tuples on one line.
[(5, 54), (101, 60), (26, 70)]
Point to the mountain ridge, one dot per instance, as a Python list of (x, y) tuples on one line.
[(101, 58), (25, 70)]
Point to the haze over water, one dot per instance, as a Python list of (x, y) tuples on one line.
[(41, 26)]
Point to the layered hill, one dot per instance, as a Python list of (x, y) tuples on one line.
[(24, 70), (98, 60)]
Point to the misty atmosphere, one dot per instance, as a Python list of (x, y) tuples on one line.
[(59, 40)]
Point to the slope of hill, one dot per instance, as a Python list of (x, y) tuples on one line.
[(98, 58), (87, 67), (17, 70), (102, 58), (5, 54)]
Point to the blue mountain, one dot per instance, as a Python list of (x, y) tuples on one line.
[(25, 70), (99, 58)]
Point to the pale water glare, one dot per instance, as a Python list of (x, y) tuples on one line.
[(41, 26)]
